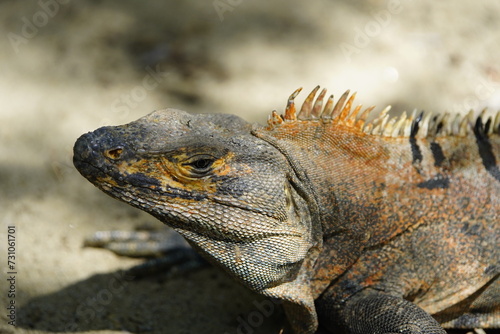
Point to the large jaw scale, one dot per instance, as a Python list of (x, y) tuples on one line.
[(267, 261)]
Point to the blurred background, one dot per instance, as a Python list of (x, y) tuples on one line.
[(68, 67)]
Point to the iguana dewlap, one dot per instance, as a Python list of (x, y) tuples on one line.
[(368, 226)]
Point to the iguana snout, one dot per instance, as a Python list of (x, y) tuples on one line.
[(100, 155)]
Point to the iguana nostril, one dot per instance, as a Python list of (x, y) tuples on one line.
[(114, 153)]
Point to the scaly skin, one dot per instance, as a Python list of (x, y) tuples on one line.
[(333, 215)]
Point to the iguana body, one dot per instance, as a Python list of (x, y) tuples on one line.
[(364, 224)]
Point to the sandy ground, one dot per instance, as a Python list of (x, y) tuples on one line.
[(68, 67)]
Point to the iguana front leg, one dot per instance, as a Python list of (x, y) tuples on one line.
[(374, 312)]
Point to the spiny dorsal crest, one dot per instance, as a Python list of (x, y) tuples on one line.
[(421, 125)]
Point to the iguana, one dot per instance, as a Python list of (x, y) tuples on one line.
[(369, 226)]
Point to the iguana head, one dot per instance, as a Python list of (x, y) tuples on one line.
[(229, 193)]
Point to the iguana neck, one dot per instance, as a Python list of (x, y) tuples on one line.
[(371, 188), (340, 167), (374, 180)]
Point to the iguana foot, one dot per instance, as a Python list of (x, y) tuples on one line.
[(381, 313), (140, 243), (168, 251), (174, 263), (373, 312)]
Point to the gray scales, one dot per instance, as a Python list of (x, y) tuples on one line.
[(381, 226)]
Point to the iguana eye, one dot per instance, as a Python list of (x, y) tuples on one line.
[(200, 165)]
